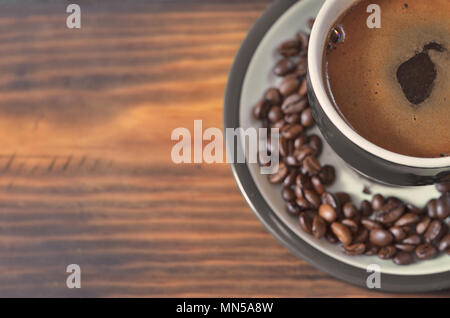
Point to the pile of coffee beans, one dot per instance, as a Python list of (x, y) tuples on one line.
[(387, 227)]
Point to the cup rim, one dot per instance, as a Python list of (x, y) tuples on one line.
[(316, 48)]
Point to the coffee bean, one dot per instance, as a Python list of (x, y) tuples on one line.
[(315, 142), (290, 179), (273, 97), (403, 258), (381, 237), (362, 235), (281, 173), (303, 38), (371, 250), (292, 161), (301, 67), (413, 209), (284, 67), (412, 240), (342, 196), (260, 110), (371, 224), (443, 206), (426, 251), (291, 131), (443, 187), (349, 210), (302, 91), (390, 212), (432, 208), (311, 165), (307, 119), (298, 190), (292, 208), (355, 249), (330, 199), (279, 124), (304, 152), (300, 141), (444, 244), (342, 233), (311, 23), (275, 114), (312, 197), (304, 181), (387, 252), (331, 238), (290, 48), (436, 230), (327, 175), (377, 202), (366, 208), (294, 104), (305, 222), (405, 247), (407, 219), (398, 233), (303, 204), (289, 85), (351, 224), (319, 227), (328, 213), (317, 184), (288, 194), (422, 226)]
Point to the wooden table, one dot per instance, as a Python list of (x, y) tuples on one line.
[(86, 177)]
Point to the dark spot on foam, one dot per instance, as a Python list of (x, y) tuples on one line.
[(406, 5), (416, 76)]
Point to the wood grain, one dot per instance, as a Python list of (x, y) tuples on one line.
[(85, 170)]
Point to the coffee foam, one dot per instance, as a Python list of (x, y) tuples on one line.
[(362, 75)]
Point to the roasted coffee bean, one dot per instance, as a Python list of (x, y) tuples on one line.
[(342, 196), (292, 119), (305, 222), (403, 258), (311, 165), (281, 173), (432, 208), (294, 104), (273, 97), (317, 184), (371, 224), (298, 190), (436, 230), (292, 161), (288, 194), (275, 114), (351, 224), (413, 209), (371, 250), (381, 237), (407, 219), (328, 213), (304, 181), (311, 22), (283, 146), (387, 252), (300, 141), (303, 203), (412, 240), (331, 238), (377, 202), (303, 38), (398, 233), (444, 244), (443, 187), (315, 142), (426, 251), (342, 233), (260, 110), (302, 91), (304, 152), (292, 208), (301, 67), (279, 124), (291, 131), (422, 226), (390, 212), (362, 235), (327, 175), (284, 67), (366, 208), (349, 210), (290, 179), (405, 247), (307, 119), (312, 197), (319, 227), (290, 85), (290, 48), (443, 206), (355, 249), (330, 199)]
